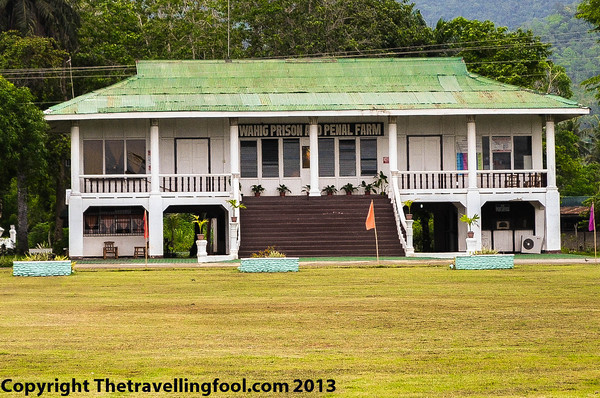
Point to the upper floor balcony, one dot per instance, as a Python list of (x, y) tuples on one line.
[(487, 181), (169, 184)]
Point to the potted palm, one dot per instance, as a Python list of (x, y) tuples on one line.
[(257, 189), (283, 189), (408, 204), (235, 205), (470, 221), (202, 225), (329, 190), (349, 188), (306, 189)]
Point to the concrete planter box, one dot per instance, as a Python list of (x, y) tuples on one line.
[(269, 264), (485, 261), (41, 268)]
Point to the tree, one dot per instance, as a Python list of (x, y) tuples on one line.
[(48, 18), (22, 136), (39, 65), (327, 27), (517, 57), (589, 10)]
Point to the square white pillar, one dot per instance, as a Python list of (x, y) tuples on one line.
[(314, 157)]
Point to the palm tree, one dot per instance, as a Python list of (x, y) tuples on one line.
[(48, 18)]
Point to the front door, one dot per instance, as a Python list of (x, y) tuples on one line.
[(424, 153), (192, 156)]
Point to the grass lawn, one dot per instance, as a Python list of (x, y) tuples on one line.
[(410, 331)]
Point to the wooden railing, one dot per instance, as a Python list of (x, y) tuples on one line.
[(115, 183), (459, 180), (512, 179), (432, 180), (207, 183), (175, 183)]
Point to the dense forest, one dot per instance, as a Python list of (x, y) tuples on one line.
[(60, 49), (511, 13)]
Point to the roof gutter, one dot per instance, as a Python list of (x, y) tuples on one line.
[(562, 113)]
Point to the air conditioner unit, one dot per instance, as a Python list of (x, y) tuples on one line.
[(531, 244)]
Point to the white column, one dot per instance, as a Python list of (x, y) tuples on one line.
[(393, 143), (155, 226), (74, 199), (473, 196), (154, 157), (234, 154), (314, 157), (76, 226), (75, 158), (552, 196), (550, 152), (155, 210), (472, 151)]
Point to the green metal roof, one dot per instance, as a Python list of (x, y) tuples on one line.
[(384, 84)]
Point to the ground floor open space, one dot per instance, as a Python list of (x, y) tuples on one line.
[(409, 330)]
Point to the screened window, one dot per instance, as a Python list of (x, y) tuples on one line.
[(368, 157), (249, 157), (114, 157), (136, 156), (326, 157), (291, 158), (114, 221), (270, 158), (523, 159), (347, 158), (92, 157)]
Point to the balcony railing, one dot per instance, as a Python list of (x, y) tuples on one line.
[(172, 183), (432, 180), (199, 183), (512, 179), (459, 180), (115, 183)]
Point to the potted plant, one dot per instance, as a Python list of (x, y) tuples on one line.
[(408, 203), (283, 189), (470, 222), (202, 225), (349, 188), (269, 260), (329, 190), (381, 183), (257, 189), (43, 264), (306, 189), (235, 205), (367, 187)]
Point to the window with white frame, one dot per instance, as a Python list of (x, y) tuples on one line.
[(114, 157), (506, 152)]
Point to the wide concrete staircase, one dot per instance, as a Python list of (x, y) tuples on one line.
[(325, 226)]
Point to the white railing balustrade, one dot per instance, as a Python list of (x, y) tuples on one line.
[(115, 183), (207, 183), (141, 183)]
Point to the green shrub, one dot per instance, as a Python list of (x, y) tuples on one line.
[(39, 234)]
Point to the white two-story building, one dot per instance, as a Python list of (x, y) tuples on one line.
[(186, 136)]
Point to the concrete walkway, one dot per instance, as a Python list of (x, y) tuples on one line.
[(127, 265)]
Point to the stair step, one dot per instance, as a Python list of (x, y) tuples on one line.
[(318, 226)]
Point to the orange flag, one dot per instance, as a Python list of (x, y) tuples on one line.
[(370, 222), (145, 226)]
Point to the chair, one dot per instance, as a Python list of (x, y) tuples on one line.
[(110, 250), (139, 251), (512, 181)]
